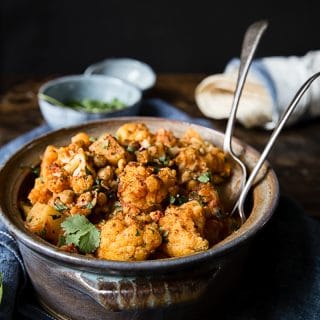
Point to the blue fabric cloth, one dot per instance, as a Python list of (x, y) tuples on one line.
[(281, 277), (13, 273)]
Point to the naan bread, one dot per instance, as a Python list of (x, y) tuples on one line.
[(214, 96)]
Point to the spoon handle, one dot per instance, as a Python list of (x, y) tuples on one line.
[(272, 139), (250, 43)]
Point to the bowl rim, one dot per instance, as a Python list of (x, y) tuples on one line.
[(43, 247), (79, 78), (92, 68)]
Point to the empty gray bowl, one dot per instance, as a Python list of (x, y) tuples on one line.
[(136, 72), (79, 87)]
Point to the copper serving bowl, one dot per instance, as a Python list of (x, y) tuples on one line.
[(72, 286)]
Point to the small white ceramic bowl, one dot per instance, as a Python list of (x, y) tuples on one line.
[(136, 72), (78, 87)]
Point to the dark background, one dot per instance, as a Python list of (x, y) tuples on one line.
[(45, 37)]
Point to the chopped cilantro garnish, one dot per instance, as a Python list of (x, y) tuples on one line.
[(87, 104), (164, 160), (61, 241), (42, 233), (178, 199), (82, 233), (106, 144), (59, 206), (89, 205), (204, 177), (164, 234), (117, 206), (181, 200), (131, 149), (34, 169), (172, 199), (137, 233)]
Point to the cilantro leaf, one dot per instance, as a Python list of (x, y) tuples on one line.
[(178, 199), (59, 205), (164, 160), (61, 241), (74, 223), (81, 232), (172, 199), (204, 177), (90, 241), (1, 287), (131, 149)]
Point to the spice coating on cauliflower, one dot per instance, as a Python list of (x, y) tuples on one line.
[(125, 241), (183, 229)]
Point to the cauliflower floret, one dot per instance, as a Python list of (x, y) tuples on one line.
[(82, 139), (166, 137), (140, 188), (207, 196), (192, 137), (124, 241), (137, 132), (80, 172), (106, 175), (39, 193), (190, 163), (85, 203), (217, 163), (66, 197), (54, 177), (168, 177), (63, 201), (81, 183), (109, 148), (183, 228), (155, 153)]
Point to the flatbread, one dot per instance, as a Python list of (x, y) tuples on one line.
[(214, 97)]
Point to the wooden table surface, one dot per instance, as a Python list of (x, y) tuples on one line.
[(295, 157)]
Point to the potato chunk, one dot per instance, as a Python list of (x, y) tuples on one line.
[(44, 221), (109, 148)]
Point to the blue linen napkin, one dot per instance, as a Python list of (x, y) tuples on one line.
[(12, 271)]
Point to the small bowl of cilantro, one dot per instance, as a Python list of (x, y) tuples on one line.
[(76, 99)]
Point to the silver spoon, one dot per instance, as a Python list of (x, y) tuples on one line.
[(271, 141), (250, 43)]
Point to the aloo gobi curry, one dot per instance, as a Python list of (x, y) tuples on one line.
[(132, 196)]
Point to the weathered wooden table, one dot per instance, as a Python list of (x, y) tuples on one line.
[(295, 157)]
